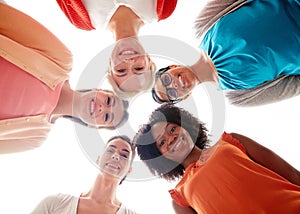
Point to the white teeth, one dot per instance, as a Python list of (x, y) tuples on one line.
[(114, 166), (178, 144), (127, 52), (92, 107), (181, 82)]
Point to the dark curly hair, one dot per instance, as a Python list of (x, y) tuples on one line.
[(146, 145)]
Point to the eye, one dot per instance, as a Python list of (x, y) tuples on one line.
[(124, 156), (139, 68), (120, 70), (166, 79), (108, 100), (162, 142), (172, 93), (106, 117), (172, 130), (110, 151)]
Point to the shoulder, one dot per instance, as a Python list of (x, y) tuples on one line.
[(125, 210)]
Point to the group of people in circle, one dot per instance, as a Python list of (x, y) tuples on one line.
[(252, 60)]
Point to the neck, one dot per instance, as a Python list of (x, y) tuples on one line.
[(65, 103), (124, 23), (104, 190), (204, 69), (192, 157)]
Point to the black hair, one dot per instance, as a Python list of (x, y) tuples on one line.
[(146, 145)]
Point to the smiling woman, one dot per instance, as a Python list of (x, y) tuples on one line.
[(130, 67), (66, 161), (236, 167), (114, 164)]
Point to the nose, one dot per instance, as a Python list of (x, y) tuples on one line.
[(172, 139), (129, 60), (175, 83), (115, 156)]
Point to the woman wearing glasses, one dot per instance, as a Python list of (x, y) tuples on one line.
[(245, 49)]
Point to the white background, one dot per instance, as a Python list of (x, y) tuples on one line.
[(59, 165)]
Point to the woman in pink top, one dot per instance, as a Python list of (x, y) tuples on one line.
[(236, 175), (34, 86)]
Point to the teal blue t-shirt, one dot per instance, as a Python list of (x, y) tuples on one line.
[(256, 43)]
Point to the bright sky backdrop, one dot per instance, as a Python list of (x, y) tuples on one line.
[(60, 165)]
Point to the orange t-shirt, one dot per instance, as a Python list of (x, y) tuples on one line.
[(230, 182)]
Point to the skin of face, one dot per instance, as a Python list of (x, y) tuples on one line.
[(100, 108), (173, 141), (130, 65), (116, 159), (183, 80)]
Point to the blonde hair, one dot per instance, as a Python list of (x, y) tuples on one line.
[(128, 94)]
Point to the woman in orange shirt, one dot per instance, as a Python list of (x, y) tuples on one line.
[(236, 175)]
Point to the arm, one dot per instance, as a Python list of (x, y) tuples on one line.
[(268, 159), (282, 88), (24, 30), (182, 210)]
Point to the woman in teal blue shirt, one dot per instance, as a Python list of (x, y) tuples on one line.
[(250, 48)]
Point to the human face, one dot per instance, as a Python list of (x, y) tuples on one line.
[(175, 84), (116, 159), (173, 141), (130, 65), (100, 108)]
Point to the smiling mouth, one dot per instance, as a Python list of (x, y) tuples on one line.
[(92, 107), (182, 82), (178, 144), (113, 166), (128, 52)]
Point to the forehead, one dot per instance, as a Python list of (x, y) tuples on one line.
[(159, 128), (120, 144)]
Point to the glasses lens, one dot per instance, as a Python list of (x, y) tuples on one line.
[(172, 93), (166, 79)]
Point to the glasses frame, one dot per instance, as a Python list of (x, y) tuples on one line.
[(158, 74)]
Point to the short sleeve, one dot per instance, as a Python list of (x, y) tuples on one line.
[(233, 141), (177, 198)]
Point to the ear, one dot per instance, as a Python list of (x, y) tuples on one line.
[(98, 160), (129, 170)]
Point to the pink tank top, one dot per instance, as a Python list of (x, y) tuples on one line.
[(21, 94)]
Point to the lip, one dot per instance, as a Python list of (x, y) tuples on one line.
[(182, 81), (92, 107), (128, 51), (178, 145), (113, 166)]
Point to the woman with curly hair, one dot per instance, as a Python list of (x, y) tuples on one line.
[(236, 175)]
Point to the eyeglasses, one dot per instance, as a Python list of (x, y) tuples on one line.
[(166, 80)]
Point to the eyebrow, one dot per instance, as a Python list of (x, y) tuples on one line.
[(115, 147)]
